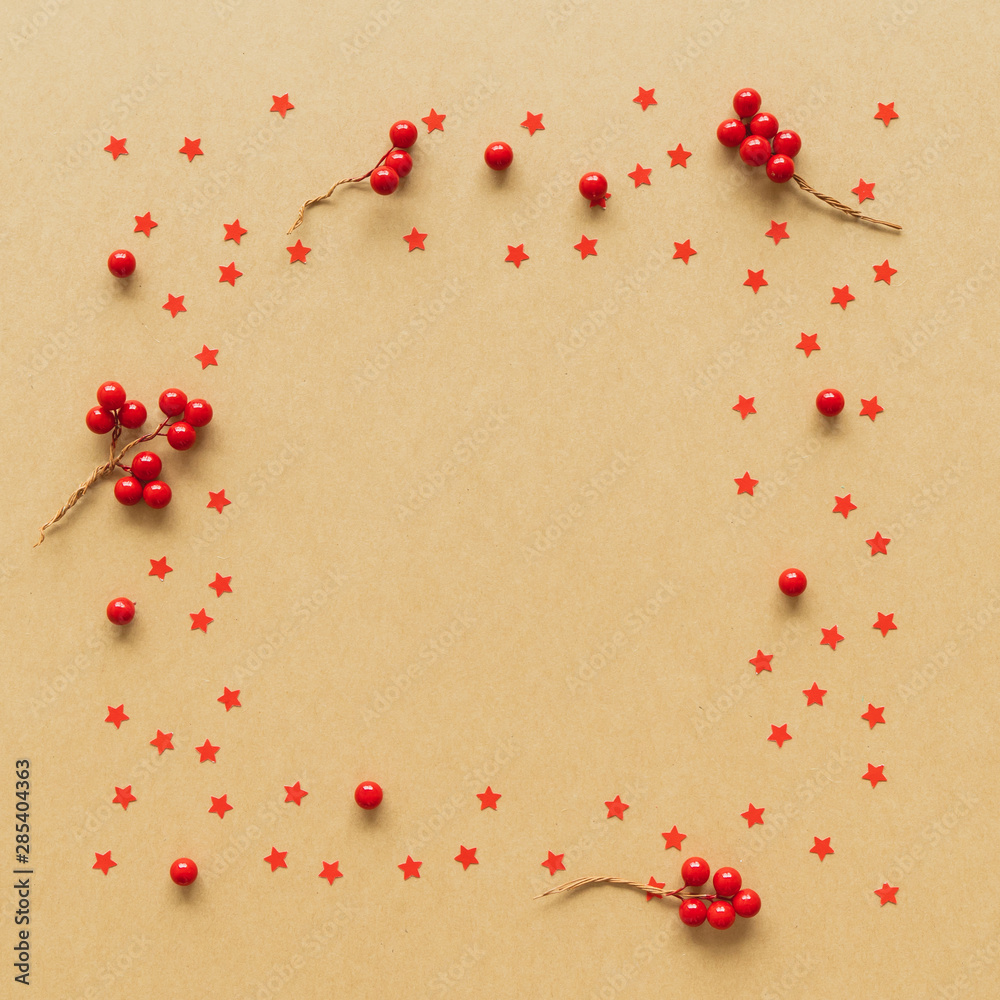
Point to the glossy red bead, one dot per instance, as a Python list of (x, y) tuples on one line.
[(764, 125), (156, 494), (132, 414), (100, 420), (692, 912), (695, 871), (721, 914), (121, 611), (787, 143), (780, 168), (746, 903), (746, 103), (384, 180), (498, 156), (172, 402), (368, 795), (183, 871), (731, 132), (403, 134), (181, 436), (792, 582), (128, 491), (111, 396), (727, 881), (121, 263), (400, 161), (198, 412), (755, 151), (593, 186), (830, 402), (146, 466)]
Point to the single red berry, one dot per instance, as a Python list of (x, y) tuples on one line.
[(100, 420), (787, 143), (198, 412), (400, 161), (755, 151), (731, 132), (128, 490), (181, 436), (156, 494), (121, 611), (183, 871), (384, 180), (132, 414), (746, 903), (498, 156), (693, 912), (746, 103), (727, 882), (172, 402), (780, 168), (593, 186), (403, 134), (368, 795), (111, 396), (764, 125), (792, 582), (721, 915), (121, 263), (830, 402), (695, 871), (146, 466)]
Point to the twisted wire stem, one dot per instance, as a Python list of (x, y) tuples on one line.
[(841, 207), (347, 180)]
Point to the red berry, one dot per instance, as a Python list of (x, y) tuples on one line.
[(731, 132), (755, 151), (721, 914), (764, 125), (368, 795), (830, 402), (780, 168), (121, 611), (746, 103), (727, 882), (132, 414), (198, 412), (384, 180), (111, 396), (156, 494), (746, 903), (403, 134), (792, 582), (498, 156), (593, 186), (128, 490), (400, 161), (146, 466), (693, 912), (100, 420), (695, 871), (181, 436), (172, 402), (787, 143), (183, 871), (121, 263)]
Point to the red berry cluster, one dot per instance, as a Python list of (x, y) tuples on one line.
[(397, 163), (722, 907), (759, 140)]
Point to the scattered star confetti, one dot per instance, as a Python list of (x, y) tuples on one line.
[(755, 280), (777, 232), (298, 252), (887, 894), (821, 848), (830, 637), (645, 98), (870, 408), (331, 870), (116, 148), (874, 715), (199, 620), (220, 805), (601, 202), (276, 859), (878, 544), (229, 273), (683, 251), (434, 121), (295, 793), (779, 735), (234, 231), (745, 484), (616, 808), (466, 856), (105, 864), (885, 624), (175, 303), (488, 799), (515, 255), (587, 247), (874, 774), (656, 885), (673, 838), (844, 505), (883, 272), (117, 715), (162, 741), (807, 343), (207, 752), (762, 661), (281, 104), (124, 796), (814, 695), (191, 148), (415, 240), (231, 699), (159, 567), (207, 356), (678, 156), (745, 406), (864, 191), (533, 123), (554, 863), (410, 868), (886, 112), (841, 296), (221, 585), (218, 500), (145, 224), (754, 815), (641, 174)]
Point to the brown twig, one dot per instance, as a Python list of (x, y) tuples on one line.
[(841, 207), (323, 197), (612, 880)]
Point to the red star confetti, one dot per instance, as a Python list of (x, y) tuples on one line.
[(221, 585), (191, 148), (673, 838), (231, 699), (410, 868), (298, 252), (754, 815), (878, 544), (199, 620), (745, 406), (488, 799), (843, 505), (466, 856), (145, 224), (116, 148), (218, 500), (105, 864), (533, 123), (162, 741), (331, 870), (117, 715), (821, 848), (870, 408), (683, 251), (807, 343), (831, 637), (616, 808), (295, 793), (886, 112), (755, 280), (434, 121), (874, 774), (885, 624), (814, 695), (586, 246), (678, 156), (601, 202), (645, 98), (779, 735), (207, 356), (220, 805), (554, 863), (234, 231), (864, 191), (175, 303), (281, 104), (641, 174), (159, 567), (515, 255), (887, 894), (206, 753), (745, 484), (656, 885), (777, 232), (415, 240), (883, 272), (841, 296), (276, 859), (762, 661), (124, 796), (874, 716), (229, 273)]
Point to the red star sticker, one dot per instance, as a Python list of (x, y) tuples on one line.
[(295, 793), (281, 104), (276, 859), (298, 252), (117, 715), (656, 885), (883, 272), (218, 500), (331, 870), (807, 343), (554, 863), (831, 637), (191, 148), (207, 753), (515, 255), (645, 98), (116, 148), (433, 121), (533, 123), (841, 296), (779, 735), (466, 856), (754, 815), (488, 799), (814, 695), (162, 741), (885, 624), (874, 774), (821, 847), (207, 356), (683, 251), (616, 808), (410, 868), (220, 805), (887, 894), (199, 620), (777, 232), (234, 231), (870, 408), (678, 156), (745, 484), (221, 585), (762, 661), (601, 202), (124, 796), (415, 240), (886, 112), (231, 699), (874, 715), (229, 273), (586, 246), (105, 864), (745, 406), (641, 174), (159, 567), (755, 280), (145, 224), (175, 303), (673, 838), (864, 191), (844, 505), (878, 544)]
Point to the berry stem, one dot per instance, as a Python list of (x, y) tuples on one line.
[(612, 880), (841, 207)]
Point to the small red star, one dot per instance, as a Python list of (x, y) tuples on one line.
[(281, 104), (887, 894), (159, 567), (601, 202), (874, 774), (207, 356), (844, 505), (234, 231), (878, 544), (779, 735), (777, 232), (641, 174), (885, 624), (116, 148), (683, 251), (554, 863), (754, 815), (533, 123), (874, 715), (199, 620), (807, 343), (488, 799), (415, 240), (221, 585), (191, 148), (831, 637), (870, 408), (814, 695), (755, 280), (762, 661), (218, 500), (229, 273), (673, 838), (616, 808), (276, 859), (162, 741), (145, 224), (745, 484), (175, 303), (745, 406), (886, 112), (656, 885), (295, 793), (105, 864), (331, 870), (515, 255), (586, 246), (678, 156), (410, 868), (207, 753), (841, 296), (298, 252), (864, 191), (117, 715), (821, 847), (231, 699), (883, 272), (433, 121), (220, 805), (124, 796), (645, 98), (466, 856)]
